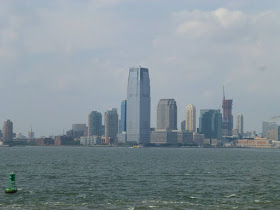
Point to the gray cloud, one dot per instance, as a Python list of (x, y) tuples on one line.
[(60, 60)]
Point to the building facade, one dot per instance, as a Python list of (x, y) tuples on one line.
[(191, 118), (138, 106), (167, 114), (123, 115), (267, 126), (240, 125), (210, 123), (79, 127), (227, 125), (111, 125), (7, 131), (95, 124), (183, 125)]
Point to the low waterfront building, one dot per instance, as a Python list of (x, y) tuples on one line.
[(185, 138), (254, 143), (172, 137), (164, 136), (42, 141), (63, 140), (198, 139), (90, 140)]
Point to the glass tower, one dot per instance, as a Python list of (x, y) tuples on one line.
[(95, 124), (210, 123), (123, 115), (138, 106)]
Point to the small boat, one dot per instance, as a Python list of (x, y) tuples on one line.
[(137, 146)]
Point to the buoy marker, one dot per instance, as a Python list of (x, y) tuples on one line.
[(12, 184)]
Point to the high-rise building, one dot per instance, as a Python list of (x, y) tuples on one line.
[(191, 118), (95, 124), (79, 127), (7, 131), (267, 126), (210, 123), (111, 125), (183, 125), (167, 114), (30, 134), (240, 125), (227, 125), (123, 115), (138, 106)]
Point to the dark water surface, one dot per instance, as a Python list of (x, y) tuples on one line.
[(143, 178)]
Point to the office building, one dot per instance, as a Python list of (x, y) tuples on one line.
[(210, 123), (191, 118), (227, 124), (79, 127), (164, 136), (123, 116), (95, 124), (274, 134), (7, 131), (138, 106), (111, 125), (267, 126), (240, 125), (30, 134), (183, 125), (167, 114)]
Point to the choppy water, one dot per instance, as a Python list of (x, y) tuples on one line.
[(143, 178)]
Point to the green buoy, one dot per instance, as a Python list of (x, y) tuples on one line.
[(12, 184)]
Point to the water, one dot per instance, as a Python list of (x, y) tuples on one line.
[(143, 178)]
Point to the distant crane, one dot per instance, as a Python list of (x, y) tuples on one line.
[(274, 118)]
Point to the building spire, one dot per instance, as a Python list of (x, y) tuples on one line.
[(224, 92)]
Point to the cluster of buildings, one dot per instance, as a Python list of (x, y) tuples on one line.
[(133, 126)]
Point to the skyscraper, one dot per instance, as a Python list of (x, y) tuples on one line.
[(210, 123), (183, 125), (227, 125), (123, 115), (79, 127), (7, 131), (167, 114), (191, 118), (138, 106), (268, 126), (95, 124), (111, 125), (239, 125)]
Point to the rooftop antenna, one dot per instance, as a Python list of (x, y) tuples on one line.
[(224, 92)]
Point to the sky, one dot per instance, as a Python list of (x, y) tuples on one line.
[(60, 60)]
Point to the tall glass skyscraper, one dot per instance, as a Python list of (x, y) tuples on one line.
[(95, 124), (123, 115), (138, 106), (210, 123)]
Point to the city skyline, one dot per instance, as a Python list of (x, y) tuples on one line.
[(192, 48)]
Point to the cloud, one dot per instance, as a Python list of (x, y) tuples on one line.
[(61, 57)]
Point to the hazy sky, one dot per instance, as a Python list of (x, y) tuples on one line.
[(59, 60)]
